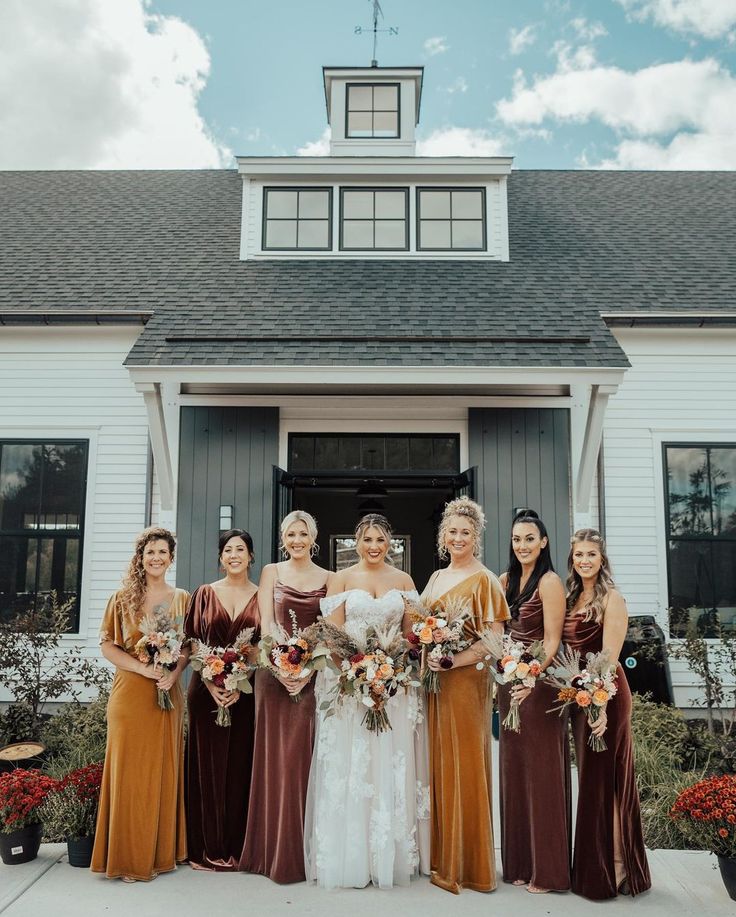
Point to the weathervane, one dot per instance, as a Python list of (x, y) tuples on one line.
[(392, 30)]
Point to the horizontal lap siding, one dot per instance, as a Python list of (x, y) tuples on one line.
[(57, 380), (681, 387)]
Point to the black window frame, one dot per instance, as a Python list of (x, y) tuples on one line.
[(385, 469), (451, 188), (374, 189), (40, 533), (297, 188), (708, 628), (372, 86)]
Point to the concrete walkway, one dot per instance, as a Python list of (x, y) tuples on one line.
[(684, 882)]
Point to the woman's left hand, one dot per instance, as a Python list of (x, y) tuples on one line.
[(435, 665), (232, 698), (519, 693), (168, 680), (600, 725), (298, 685)]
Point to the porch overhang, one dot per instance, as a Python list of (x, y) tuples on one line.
[(585, 390)]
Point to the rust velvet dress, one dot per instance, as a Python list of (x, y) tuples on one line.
[(459, 721), (140, 821), (534, 777), (219, 758), (605, 780), (274, 840)]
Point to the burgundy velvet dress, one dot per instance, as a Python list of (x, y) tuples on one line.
[(274, 841), (219, 758), (605, 780), (534, 778)]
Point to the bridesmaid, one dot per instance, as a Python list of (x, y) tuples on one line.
[(140, 821), (459, 717), (534, 764), (219, 758), (274, 840), (609, 858)]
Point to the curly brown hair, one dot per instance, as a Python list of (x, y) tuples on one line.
[(133, 590), (468, 509)]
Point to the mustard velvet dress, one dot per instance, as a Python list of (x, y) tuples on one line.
[(459, 721), (140, 822)]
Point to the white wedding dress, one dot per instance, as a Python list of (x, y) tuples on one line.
[(367, 810)]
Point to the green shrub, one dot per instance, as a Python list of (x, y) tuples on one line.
[(76, 736)]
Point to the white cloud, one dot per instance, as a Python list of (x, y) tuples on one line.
[(709, 18), (89, 84), (457, 85), (320, 147), (675, 115), (461, 141), (588, 31), (521, 39), (436, 45)]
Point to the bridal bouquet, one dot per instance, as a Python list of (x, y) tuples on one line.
[(438, 636), (511, 663), (226, 667), (372, 672), (589, 687), (294, 655), (160, 644)]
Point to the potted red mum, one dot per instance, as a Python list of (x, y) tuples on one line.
[(705, 813), (70, 812), (22, 792)]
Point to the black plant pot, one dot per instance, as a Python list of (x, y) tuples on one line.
[(21, 845), (728, 874), (80, 850)]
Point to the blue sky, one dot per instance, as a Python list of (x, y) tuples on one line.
[(555, 83)]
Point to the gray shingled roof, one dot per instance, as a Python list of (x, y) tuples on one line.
[(582, 244)]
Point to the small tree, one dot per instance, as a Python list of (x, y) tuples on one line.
[(36, 669)]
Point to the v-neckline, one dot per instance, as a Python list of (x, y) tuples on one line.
[(227, 613), (470, 576)]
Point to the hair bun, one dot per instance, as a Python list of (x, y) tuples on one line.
[(525, 514)]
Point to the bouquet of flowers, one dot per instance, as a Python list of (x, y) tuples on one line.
[(588, 686), (160, 644), (294, 655), (705, 813), (511, 663), (371, 673), (226, 667), (22, 793), (438, 636), (70, 809)]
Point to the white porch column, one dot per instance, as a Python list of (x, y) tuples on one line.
[(586, 442), (151, 392)]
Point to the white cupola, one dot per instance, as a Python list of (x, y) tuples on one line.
[(373, 111)]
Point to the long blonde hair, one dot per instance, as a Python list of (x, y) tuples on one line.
[(593, 611), (468, 509), (133, 590)]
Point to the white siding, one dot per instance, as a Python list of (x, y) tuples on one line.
[(72, 383), (681, 386)]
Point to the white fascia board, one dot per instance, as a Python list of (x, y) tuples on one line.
[(423, 168), (450, 377), (159, 436)]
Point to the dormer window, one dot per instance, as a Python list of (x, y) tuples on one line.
[(297, 219), (451, 219), (374, 219), (372, 110)]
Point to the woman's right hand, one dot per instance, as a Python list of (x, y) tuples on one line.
[(154, 672), (220, 695)]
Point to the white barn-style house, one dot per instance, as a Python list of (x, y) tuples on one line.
[(369, 329)]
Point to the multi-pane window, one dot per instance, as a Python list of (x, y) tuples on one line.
[(297, 218), (372, 111), (374, 219), (42, 494), (701, 529), (410, 453), (451, 219)]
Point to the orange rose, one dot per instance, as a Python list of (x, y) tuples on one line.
[(425, 635), (522, 670), (566, 694), (505, 660), (430, 622), (215, 665), (386, 670), (600, 697), (535, 669), (582, 699)]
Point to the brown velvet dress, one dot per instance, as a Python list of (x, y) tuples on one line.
[(219, 758), (605, 780), (140, 820), (535, 777), (459, 723), (274, 840)]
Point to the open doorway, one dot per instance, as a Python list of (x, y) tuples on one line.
[(408, 478)]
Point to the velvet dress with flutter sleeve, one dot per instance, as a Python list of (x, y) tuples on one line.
[(219, 758)]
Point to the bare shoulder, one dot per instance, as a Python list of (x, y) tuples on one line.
[(406, 583), (268, 574), (550, 583), (616, 604)]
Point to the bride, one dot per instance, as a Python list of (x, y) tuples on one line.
[(367, 814)]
